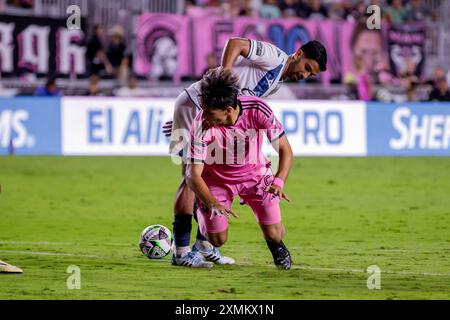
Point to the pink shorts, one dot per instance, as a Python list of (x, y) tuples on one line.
[(265, 206)]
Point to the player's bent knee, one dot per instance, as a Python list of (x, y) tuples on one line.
[(184, 201), (275, 237), (217, 242), (217, 239), (273, 232)]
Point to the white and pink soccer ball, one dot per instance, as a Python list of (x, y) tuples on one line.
[(156, 241)]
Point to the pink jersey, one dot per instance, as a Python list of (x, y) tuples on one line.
[(233, 154)]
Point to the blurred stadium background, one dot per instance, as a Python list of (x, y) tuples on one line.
[(154, 49), (107, 89), (166, 54)]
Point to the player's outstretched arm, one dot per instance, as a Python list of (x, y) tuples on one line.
[(234, 48), (286, 155), (198, 185), (286, 158)]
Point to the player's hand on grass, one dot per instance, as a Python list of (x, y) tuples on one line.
[(278, 191), (167, 128), (219, 210)]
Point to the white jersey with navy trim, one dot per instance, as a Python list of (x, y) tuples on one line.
[(259, 75), (259, 72)]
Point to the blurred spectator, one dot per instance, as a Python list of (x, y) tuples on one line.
[(416, 10), (395, 13), (440, 92), (448, 76), (93, 87), (294, 8), (270, 10), (356, 13), (363, 80), (231, 8), (96, 42), (384, 95), (131, 89), (351, 88), (369, 44), (49, 89), (247, 9), (359, 80), (411, 95), (95, 54), (193, 10), (438, 73), (204, 8), (117, 53), (316, 10), (24, 4), (347, 8), (337, 10), (408, 78)]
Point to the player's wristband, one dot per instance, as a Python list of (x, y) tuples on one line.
[(278, 182)]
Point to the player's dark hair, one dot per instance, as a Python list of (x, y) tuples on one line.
[(314, 50), (220, 89)]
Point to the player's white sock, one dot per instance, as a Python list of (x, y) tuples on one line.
[(182, 251), (203, 245)]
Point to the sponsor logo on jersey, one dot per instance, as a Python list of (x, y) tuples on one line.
[(259, 49)]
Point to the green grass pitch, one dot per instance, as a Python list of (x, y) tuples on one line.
[(345, 215)]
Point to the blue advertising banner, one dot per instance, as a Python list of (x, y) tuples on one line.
[(30, 126), (408, 129), (112, 126)]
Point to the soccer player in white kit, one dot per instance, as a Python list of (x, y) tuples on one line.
[(261, 68)]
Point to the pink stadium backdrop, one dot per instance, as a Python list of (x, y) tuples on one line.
[(195, 38)]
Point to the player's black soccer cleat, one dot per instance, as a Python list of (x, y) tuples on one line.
[(281, 255)]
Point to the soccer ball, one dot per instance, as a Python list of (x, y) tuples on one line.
[(156, 241)]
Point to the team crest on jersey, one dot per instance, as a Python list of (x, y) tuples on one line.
[(248, 92)]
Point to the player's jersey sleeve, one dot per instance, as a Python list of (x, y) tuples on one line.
[(266, 120), (265, 55), (198, 140)]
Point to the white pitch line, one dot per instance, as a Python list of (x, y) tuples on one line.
[(37, 242), (342, 270), (442, 250), (49, 253), (402, 273), (61, 243), (67, 255)]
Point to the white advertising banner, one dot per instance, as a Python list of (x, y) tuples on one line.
[(115, 126), (124, 126), (323, 128)]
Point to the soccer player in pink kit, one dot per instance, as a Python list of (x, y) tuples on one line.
[(261, 68), (227, 160)]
